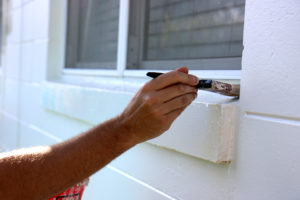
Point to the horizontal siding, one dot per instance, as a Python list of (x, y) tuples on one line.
[(194, 52), (31, 112), (177, 9), (194, 29), (182, 176), (9, 131), (110, 185), (222, 17), (213, 35)]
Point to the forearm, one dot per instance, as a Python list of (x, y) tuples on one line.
[(42, 173), (50, 170)]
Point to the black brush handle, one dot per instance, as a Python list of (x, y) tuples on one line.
[(202, 83), (154, 74)]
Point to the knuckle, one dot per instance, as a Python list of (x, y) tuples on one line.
[(184, 100), (187, 99), (180, 88), (194, 89), (164, 121), (146, 87), (148, 100), (156, 113), (192, 96), (178, 75)]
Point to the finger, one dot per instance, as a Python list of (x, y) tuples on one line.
[(183, 69), (178, 102), (174, 77), (170, 117), (173, 91)]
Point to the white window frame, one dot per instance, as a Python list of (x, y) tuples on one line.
[(121, 70)]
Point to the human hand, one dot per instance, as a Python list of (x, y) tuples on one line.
[(157, 104)]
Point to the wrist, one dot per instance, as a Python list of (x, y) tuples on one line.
[(124, 134)]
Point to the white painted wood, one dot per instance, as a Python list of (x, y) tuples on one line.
[(268, 139), (26, 62), (205, 130), (123, 36), (184, 177), (35, 20), (267, 158), (13, 24), (111, 181), (57, 38), (90, 72), (271, 82), (48, 123), (40, 19), (16, 3), (8, 131), (12, 58), (231, 75), (11, 97), (27, 19)]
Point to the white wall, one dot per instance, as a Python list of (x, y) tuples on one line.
[(266, 163)]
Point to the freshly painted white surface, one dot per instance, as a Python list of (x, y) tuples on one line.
[(16, 3), (123, 35), (9, 128), (12, 58), (107, 182), (35, 20), (266, 155), (268, 147), (184, 177), (11, 97), (14, 25), (204, 130), (267, 160), (270, 77), (201, 131)]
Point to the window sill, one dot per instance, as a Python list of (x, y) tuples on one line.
[(204, 130)]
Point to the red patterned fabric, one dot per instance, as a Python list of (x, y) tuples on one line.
[(74, 193)]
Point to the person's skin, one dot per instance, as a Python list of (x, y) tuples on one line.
[(42, 172)]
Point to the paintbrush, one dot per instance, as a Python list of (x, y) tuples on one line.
[(211, 86)]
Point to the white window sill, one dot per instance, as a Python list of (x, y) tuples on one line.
[(204, 130), (207, 74)]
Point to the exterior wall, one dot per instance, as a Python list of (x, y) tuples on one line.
[(267, 149)]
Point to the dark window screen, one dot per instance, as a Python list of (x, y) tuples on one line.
[(92, 33), (178, 30)]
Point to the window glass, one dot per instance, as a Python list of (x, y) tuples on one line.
[(194, 30), (92, 34)]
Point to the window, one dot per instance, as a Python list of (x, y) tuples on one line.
[(186, 30), (1, 28), (92, 34), (163, 34), (116, 87)]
